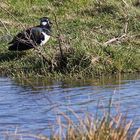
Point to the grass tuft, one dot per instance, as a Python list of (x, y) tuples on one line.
[(107, 127), (96, 37)]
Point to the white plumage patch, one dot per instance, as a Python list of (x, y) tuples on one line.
[(46, 38), (44, 23)]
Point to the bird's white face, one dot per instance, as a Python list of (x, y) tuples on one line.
[(44, 23)]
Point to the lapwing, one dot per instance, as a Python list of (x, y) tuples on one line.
[(32, 37)]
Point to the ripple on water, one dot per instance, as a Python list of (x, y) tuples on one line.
[(34, 108)]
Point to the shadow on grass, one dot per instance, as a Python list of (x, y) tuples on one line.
[(8, 56), (100, 9)]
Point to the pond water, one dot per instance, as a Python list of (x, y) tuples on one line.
[(32, 105)]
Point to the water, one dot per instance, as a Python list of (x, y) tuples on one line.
[(32, 106)]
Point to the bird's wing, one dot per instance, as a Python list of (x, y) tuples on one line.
[(17, 37), (32, 34), (21, 37), (37, 35)]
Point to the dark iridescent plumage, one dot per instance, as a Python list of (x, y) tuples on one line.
[(31, 37)]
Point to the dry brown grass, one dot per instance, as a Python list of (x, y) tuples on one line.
[(89, 128)]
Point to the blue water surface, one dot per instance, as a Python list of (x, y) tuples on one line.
[(32, 106)]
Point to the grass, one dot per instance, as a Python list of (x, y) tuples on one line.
[(90, 127), (86, 28)]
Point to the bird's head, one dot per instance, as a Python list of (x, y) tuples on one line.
[(45, 21)]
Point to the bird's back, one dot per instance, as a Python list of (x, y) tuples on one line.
[(26, 39)]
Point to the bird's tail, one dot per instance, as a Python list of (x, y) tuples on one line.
[(13, 48), (20, 47)]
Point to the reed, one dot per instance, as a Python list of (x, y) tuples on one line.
[(107, 127)]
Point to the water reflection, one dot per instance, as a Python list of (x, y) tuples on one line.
[(32, 105), (37, 83)]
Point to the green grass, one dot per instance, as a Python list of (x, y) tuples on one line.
[(85, 26)]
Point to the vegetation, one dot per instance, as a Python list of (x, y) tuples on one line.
[(90, 128), (96, 37), (89, 38)]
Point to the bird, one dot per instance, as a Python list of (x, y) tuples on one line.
[(32, 37)]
